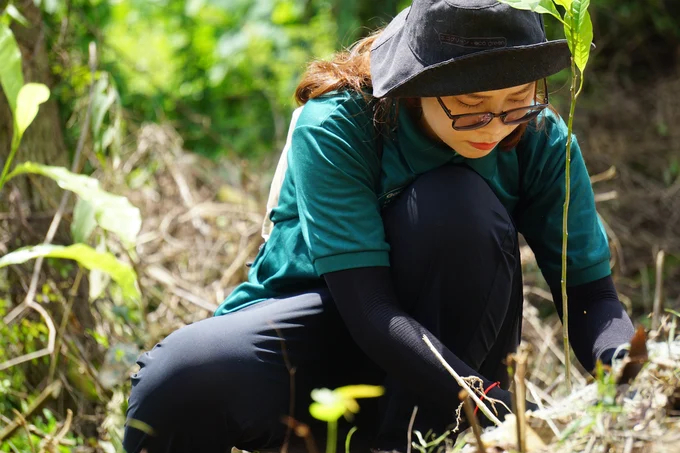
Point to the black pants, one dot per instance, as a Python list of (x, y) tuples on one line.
[(228, 381)]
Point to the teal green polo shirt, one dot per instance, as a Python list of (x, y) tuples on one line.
[(328, 216)]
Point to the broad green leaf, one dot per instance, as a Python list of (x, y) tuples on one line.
[(98, 280), (537, 6), (29, 99), (113, 213), (11, 77), (84, 221), (564, 3), (86, 256)]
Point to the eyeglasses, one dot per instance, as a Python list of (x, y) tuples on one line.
[(470, 121)]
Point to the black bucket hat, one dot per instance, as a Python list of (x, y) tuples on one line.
[(451, 47)]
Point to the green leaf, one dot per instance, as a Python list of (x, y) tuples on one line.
[(103, 99), (325, 396), (113, 213), (673, 312), (564, 3), (84, 221), (29, 99), (98, 280), (86, 256), (15, 14), (11, 77), (537, 6), (360, 391), (328, 405), (327, 412), (579, 19)]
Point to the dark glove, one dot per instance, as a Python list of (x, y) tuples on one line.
[(506, 397), (608, 355)]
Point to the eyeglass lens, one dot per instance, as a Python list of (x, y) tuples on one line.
[(517, 116)]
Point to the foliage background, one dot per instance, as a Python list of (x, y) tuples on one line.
[(194, 97)]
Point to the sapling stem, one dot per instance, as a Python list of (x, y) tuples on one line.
[(565, 231), (332, 438)]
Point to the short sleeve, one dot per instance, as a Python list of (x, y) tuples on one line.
[(539, 215), (335, 171)]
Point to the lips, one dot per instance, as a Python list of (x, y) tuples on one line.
[(483, 146)]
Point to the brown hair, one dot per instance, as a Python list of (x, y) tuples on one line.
[(351, 70)]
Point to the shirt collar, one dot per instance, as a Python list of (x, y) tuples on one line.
[(422, 153)]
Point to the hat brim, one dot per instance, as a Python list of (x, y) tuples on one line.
[(396, 72)]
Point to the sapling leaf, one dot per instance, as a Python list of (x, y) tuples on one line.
[(584, 35), (360, 391), (537, 6), (327, 412), (330, 405)]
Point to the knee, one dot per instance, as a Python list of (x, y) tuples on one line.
[(451, 204), (178, 373)]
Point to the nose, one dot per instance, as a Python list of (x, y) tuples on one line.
[(495, 126)]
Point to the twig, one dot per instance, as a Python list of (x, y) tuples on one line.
[(559, 353), (178, 287), (615, 242), (644, 286), (485, 410), (52, 231), (535, 394), (410, 429), (628, 446), (52, 442), (303, 431), (606, 175), (606, 196), (53, 389), (519, 398), (24, 424), (239, 262), (45, 351), (590, 444), (658, 290), (472, 419), (543, 294), (185, 194), (64, 321)]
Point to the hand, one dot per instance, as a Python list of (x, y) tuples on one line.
[(501, 411)]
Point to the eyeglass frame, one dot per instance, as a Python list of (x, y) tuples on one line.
[(501, 115)]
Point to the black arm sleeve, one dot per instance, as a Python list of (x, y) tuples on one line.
[(598, 322), (394, 340)]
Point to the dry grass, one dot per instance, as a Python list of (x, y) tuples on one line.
[(599, 415)]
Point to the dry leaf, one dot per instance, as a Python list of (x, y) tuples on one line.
[(636, 358)]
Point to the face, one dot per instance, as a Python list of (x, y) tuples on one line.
[(438, 125)]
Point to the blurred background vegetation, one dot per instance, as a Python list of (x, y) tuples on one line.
[(185, 113)]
